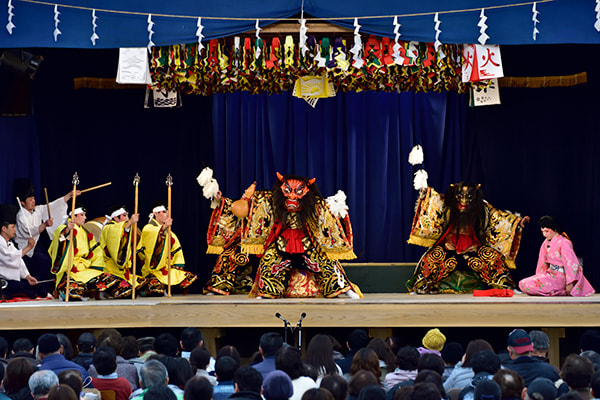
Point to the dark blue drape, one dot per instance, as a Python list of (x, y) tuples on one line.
[(355, 142)]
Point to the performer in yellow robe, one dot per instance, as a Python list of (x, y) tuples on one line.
[(116, 241), (152, 252), (86, 270)]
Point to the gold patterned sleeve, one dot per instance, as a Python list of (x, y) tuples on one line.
[(503, 233)]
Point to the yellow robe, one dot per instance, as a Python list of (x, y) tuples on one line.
[(154, 256), (114, 242), (85, 255)]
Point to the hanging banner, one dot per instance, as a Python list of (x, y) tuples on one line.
[(133, 66), (485, 95), (481, 62)]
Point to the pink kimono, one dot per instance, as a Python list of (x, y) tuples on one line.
[(557, 266)]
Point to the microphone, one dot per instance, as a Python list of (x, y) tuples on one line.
[(283, 319), (301, 318)]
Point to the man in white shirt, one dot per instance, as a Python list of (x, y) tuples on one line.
[(15, 278)]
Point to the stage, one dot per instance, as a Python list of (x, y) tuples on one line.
[(380, 312)]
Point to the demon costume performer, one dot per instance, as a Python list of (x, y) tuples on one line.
[(85, 256), (472, 244), (294, 232)]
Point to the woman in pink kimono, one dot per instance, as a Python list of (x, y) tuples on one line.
[(558, 271)]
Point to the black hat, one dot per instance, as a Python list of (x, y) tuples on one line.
[(8, 214), (87, 338), (48, 343), (23, 188)]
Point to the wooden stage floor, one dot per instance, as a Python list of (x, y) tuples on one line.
[(376, 310)]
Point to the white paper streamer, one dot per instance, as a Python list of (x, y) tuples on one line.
[(10, 26), (94, 36), (483, 37), (205, 176), (302, 44), (337, 204), (597, 9), (150, 33), (437, 21), (56, 22), (420, 180), (357, 49), (257, 47), (398, 59), (416, 155), (199, 34), (535, 20)]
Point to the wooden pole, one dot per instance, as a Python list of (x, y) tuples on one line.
[(71, 249), (136, 182), (47, 202), (95, 187), (169, 183)]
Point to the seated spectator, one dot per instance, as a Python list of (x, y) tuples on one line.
[(540, 389), (595, 385), (159, 393), (154, 373), (427, 362), (113, 339), (590, 340), (105, 361), (50, 352), (199, 360), (179, 370), (511, 384), (462, 374), (431, 376), (372, 392), (358, 381), (317, 394), (336, 385), (319, 354), (225, 368), (433, 342), (66, 344), (385, 355), (166, 344), (277, 386), (2, 395), (16, 378), (198, 388), (593, 357), (487, 389), (357, 339), (72, 379), (420, 391), (131, 352), (62, 392), (3, 351), (86, 344), (23, 347), (289, 360), (40, 383), (146, 348), (577, 372), (190, 339), (451, 354), (248, 384), (406, 366), (230, 351), (366, 359), (270, 343), (484, 364)]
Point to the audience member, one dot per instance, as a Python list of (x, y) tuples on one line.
[(270, 343), (433, 342), (317, 394), (62, 392), (16, 378), (590, 340), (289, 360), (451, 354), (159, 393), (358, 381), (225, 368), (40, 383), (72, 379), (595, 385), (190, 339), (198, 388), (105, 361), (66, 344), (487, 389), (2, 395), (336, 384), (50, 353), (357, 339), (23, 347), (319, 354), (420, 391), (166, 344), (406, 362), (199, 360), (146, 347), (511, 384), (86, 344), (577, 372), (462, 374), (427, 362), (277, 386), (154, 373), (366, 359), (484, 364), (3, 351), (230, 351), (131, 352), (179, 370), (394, 343), (372, 392), (384, 353), (113, 339), (248, 384), (431, 376), (540, 389)]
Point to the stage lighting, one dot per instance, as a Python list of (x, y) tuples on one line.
[(21, 60)]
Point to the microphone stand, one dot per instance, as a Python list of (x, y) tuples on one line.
[(299, 327), (287, 325)]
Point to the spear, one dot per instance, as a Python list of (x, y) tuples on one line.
[(71, 249), (169, 183), (136, 183), (47, 202)]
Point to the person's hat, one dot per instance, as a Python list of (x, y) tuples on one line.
[(87, 338), (23, 188), (487, 390), (8, 214), (434, 340), (541, 389), (48, 343), (277, 386), (520, 341), (539, 340), (453, 352)]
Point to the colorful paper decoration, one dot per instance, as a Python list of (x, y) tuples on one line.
[(481, 62)]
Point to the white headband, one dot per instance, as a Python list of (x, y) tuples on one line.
[(78, 210), (118, 212), (159, 209)]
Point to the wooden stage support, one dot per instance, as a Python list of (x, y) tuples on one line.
[(378, 311)]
